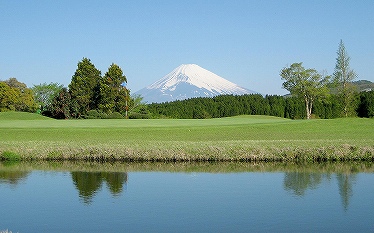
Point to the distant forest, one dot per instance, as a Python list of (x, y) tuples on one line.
[(256, 104)]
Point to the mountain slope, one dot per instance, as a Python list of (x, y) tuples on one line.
[(188, 81)]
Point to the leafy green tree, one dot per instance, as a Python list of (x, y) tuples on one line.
[(44, 93), (111, 89), (8, 97), (343, 77), (136, 105), (84, 87), (15, 96), (307, 84)]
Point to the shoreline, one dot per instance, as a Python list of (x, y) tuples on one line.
[(189, 167), (191, 153)]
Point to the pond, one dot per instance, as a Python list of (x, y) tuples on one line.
[(198, 197)]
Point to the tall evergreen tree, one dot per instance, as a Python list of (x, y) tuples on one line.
[(84, 86), (343, 77), (111, 89)]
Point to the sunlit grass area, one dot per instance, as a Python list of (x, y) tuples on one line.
[(244, 138)]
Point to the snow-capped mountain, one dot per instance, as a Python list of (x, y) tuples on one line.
[(188, 81)]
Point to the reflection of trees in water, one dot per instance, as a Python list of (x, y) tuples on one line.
[(88, 183), (299, 182), (345, 183), (12, 177)]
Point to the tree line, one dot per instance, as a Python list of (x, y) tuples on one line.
[(255, 104)]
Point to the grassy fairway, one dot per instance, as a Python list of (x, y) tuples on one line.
[(228, 139)]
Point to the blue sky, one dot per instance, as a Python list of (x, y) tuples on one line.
[(247, 42)]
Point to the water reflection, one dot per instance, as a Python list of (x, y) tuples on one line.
[(89, 183), (12, 177), (298, 178), (346, 182), (300, 182)]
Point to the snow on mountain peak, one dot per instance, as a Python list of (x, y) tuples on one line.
[(194, 75), (187, 81)]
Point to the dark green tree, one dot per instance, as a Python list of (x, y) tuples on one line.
[(307, 84), (366, 106), (343, 77), (84, 87), (62, 105), (111, 90)]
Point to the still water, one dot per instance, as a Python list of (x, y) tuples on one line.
[(187, 198)]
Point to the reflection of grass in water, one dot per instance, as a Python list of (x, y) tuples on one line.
[(245, 138), (191, 167)]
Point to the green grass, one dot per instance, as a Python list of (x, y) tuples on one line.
[(21, 116), (241, 138), (10, 156)]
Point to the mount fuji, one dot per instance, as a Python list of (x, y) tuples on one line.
[(189, 81)]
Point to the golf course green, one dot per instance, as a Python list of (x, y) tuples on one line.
[(26, 136)]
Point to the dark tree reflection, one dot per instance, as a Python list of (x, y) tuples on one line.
[(299, 182), (345, 183), (115, 181), (12, 177), (89, 183)]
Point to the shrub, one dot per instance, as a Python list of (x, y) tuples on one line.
[(115, 115), (10, 156), (136, 115), (93, 114)]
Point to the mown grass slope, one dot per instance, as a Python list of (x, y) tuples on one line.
[(21, 116), (230, 139)]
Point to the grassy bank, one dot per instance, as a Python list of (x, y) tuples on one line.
[(245, 138)]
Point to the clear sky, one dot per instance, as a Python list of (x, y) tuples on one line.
[(247, 42)]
